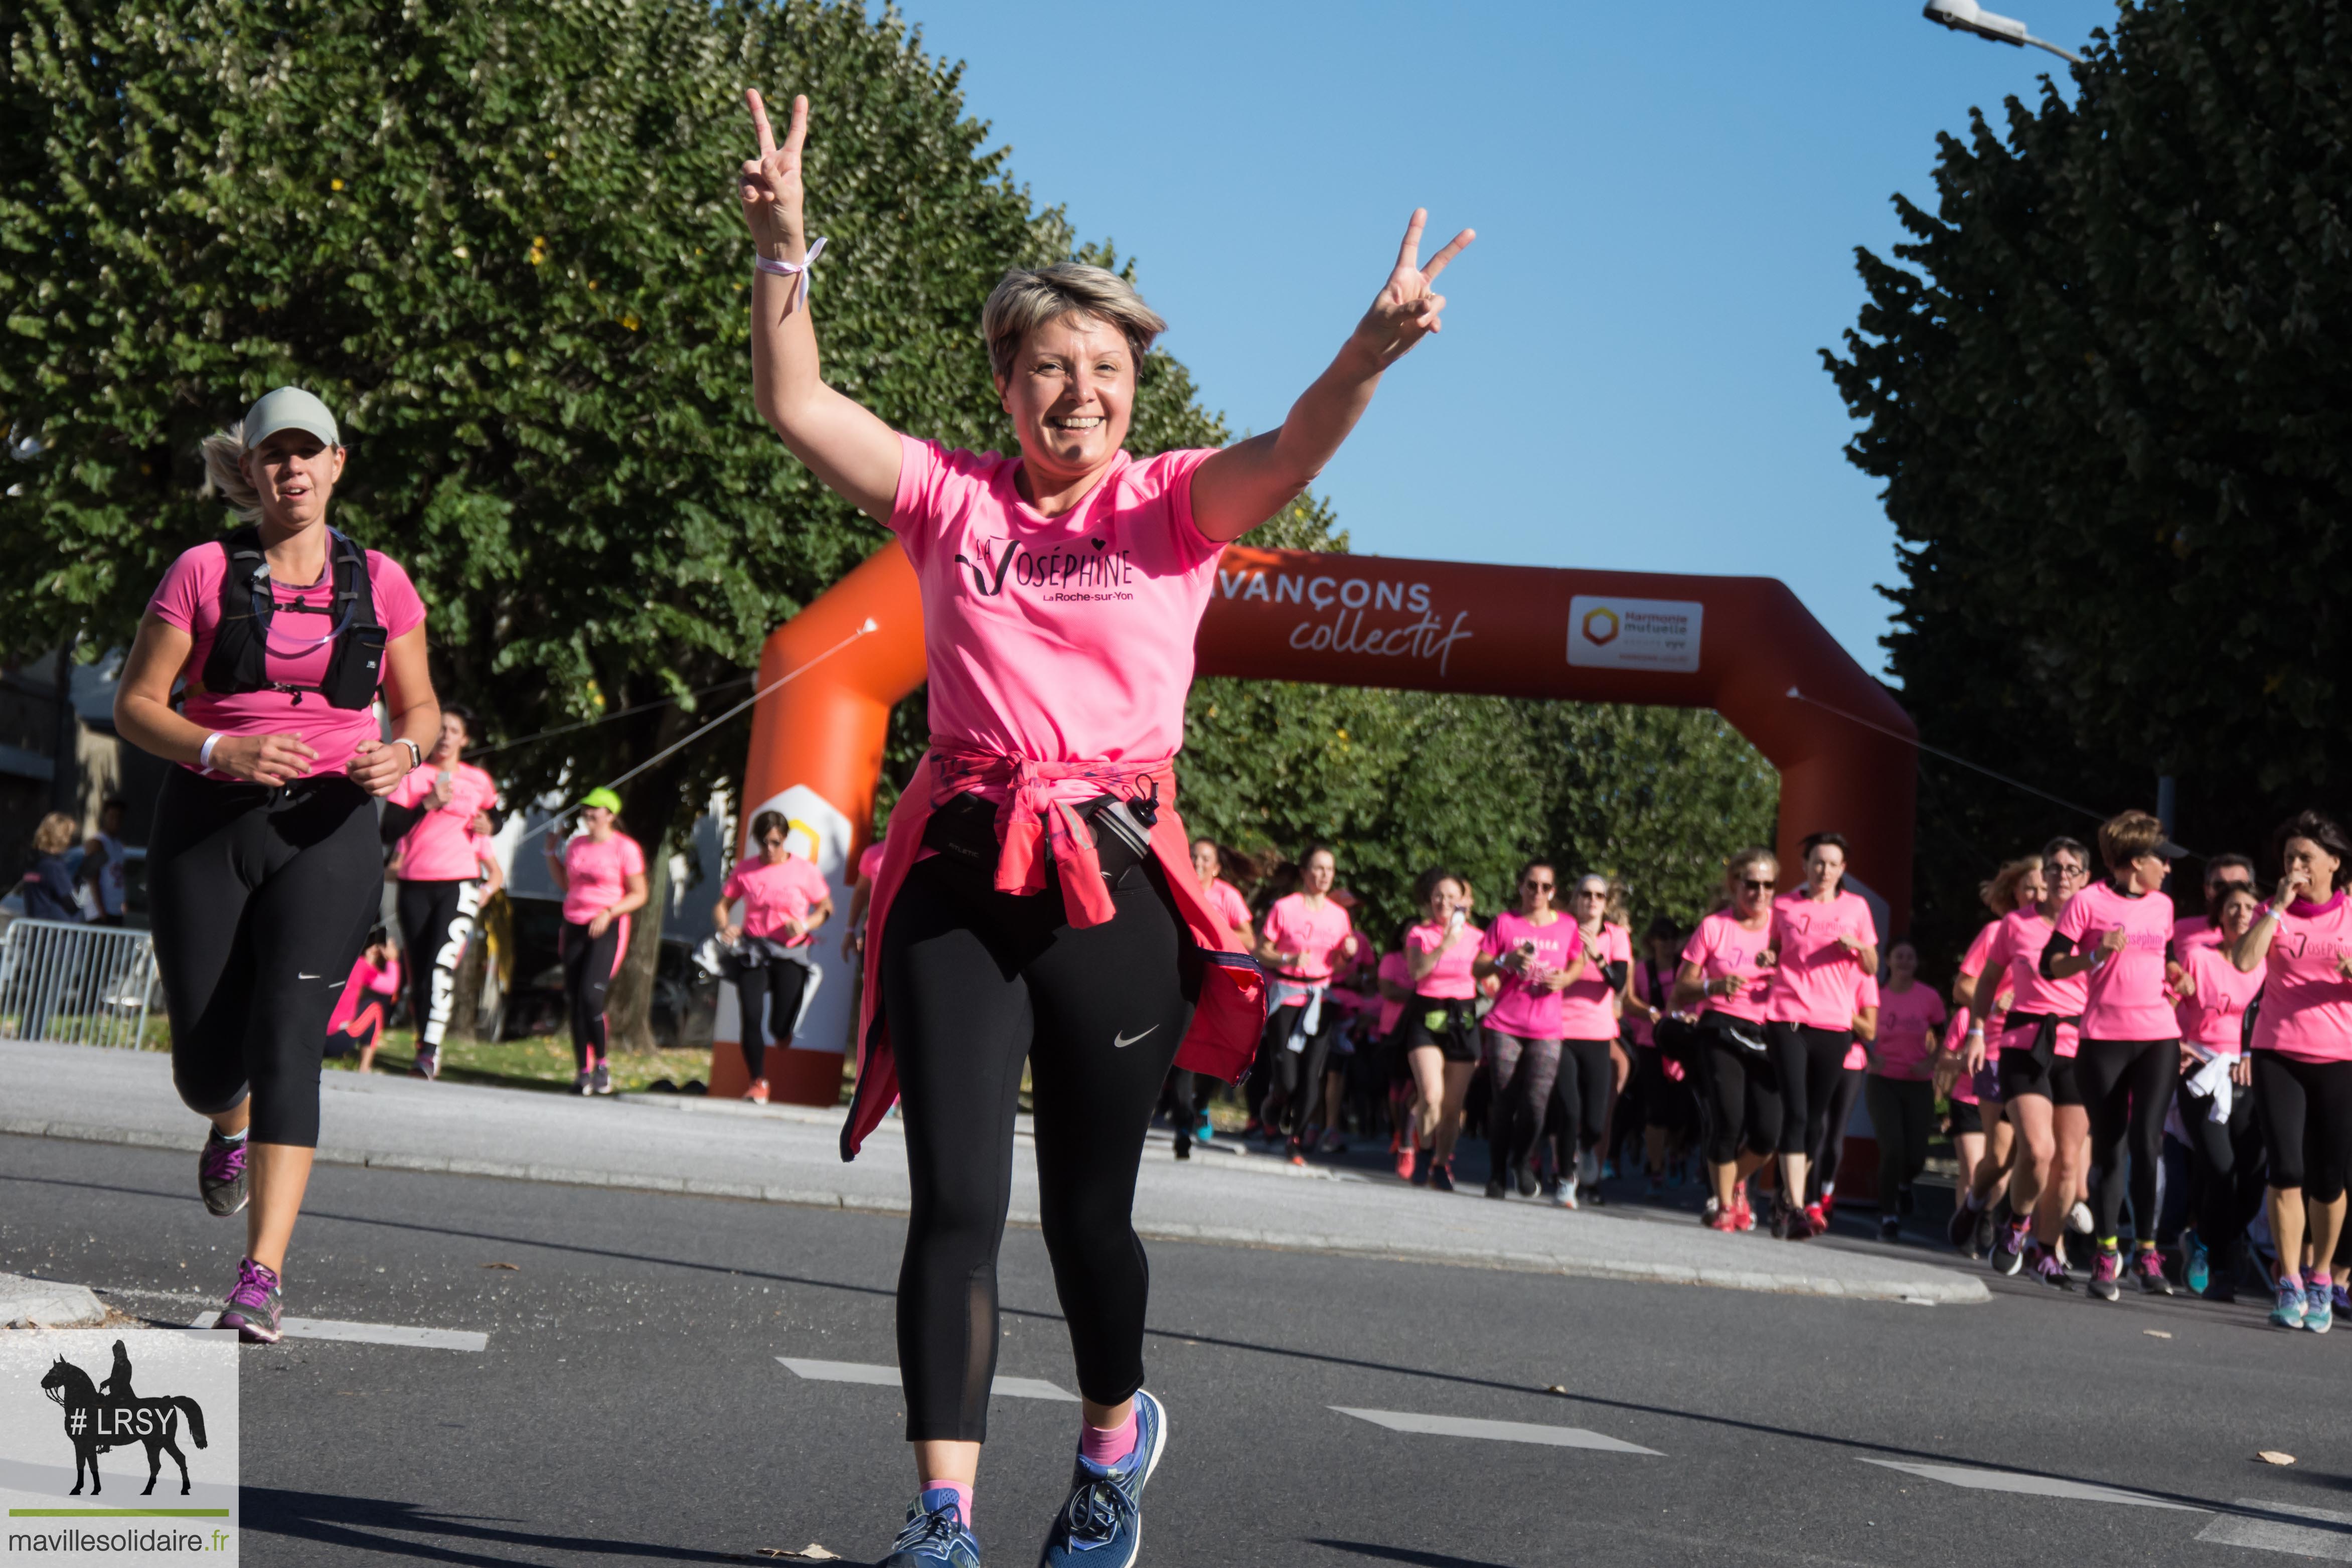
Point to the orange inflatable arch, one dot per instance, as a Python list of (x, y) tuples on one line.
[(1741, 645)]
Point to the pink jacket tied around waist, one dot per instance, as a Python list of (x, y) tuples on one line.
[(1037, 810)]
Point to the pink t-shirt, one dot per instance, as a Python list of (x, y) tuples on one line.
[(1722, 947), (1973, 962), (597, 874), (1451, 981), (1225, 902), (485, 848), (1314, 934), (1816, 978), (1058, 639), (1865, 994), (1393, 970), (2126, 1000), (1907, 1024), (366, 984), (2307, 1010), (1642, 1031), (1520, 1008), (2215, 1017), (2195, 931), (2017, 944), (189, 598), (774, 894), (1956, 1042), (440, 847), (1588, 1009)]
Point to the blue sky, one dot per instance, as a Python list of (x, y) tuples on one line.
[(1668, 199)]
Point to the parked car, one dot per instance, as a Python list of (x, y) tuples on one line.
[(525, 979)]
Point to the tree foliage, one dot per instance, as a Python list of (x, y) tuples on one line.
[(2105, 387)]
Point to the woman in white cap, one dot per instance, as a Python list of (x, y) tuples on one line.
[(264, 870)]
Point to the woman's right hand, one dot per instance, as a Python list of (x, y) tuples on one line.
[(730, 934), (2288, 887), (270, 760), (772, 184)]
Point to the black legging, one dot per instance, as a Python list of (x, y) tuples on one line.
[(1524, 1072), (1295, 1077), (1902, 1118), (588, 965), (769, 998), (2126, 1087), (1810, 1061), (1746, 1104), (262, 897), (1580, 1098), (437, 922), (2305, 1111), (2226, 1168), (1821, 1172), (973, 982)]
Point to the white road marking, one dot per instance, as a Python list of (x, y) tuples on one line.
[(2029, 1486), (2271, 1535), (371, 1333), (887, 1377), (1493, 1431)]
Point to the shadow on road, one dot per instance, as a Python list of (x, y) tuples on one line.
[(1405, 1554), (357, 1523)]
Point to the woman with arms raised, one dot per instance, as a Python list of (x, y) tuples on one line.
[(1061, 589)]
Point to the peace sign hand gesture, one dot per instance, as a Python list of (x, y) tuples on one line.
[(772, 184), (1407, 309)]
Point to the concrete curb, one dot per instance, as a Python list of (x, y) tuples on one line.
[(47, 1304), (1933, 1286)]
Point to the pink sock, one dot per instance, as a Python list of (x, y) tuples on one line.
[(1108, 1444), (962, 1496), (2318, 1280), (2289, 1277)]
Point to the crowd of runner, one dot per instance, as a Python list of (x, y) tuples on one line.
[(2130, 1100)]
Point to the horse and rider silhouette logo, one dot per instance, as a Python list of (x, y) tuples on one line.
[(100, 1417)]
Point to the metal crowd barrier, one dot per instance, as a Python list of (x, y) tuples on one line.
[(83, 984)]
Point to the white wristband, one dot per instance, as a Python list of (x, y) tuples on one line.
[(204, 752), (794, 269)]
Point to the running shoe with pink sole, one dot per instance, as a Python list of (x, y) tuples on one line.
[(253, 1304)]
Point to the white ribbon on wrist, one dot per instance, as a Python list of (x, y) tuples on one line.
[(799, 269), (204, 752)]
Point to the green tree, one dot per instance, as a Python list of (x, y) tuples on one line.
[(502, 243), (2104, 387)]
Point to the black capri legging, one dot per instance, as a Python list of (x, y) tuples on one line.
[(2126, 1087), (768, 995), (973, 981), (1744, 1092), (589, 965), (1582, 1093), (2305, 1109), (262, 897), (1810, 1061), (437, 922)]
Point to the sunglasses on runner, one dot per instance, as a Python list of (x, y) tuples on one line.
[(1755, 887)]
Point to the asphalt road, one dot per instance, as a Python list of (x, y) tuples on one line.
[(629, 1406)]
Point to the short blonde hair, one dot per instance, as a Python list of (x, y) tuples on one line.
[(1024, 300), (55, 836), (223, 453)]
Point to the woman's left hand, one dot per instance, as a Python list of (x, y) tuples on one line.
[(1407, 308), (600, 922), (377, 765), (2242, 1072)]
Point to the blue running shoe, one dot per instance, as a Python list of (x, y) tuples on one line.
[(1102, 1524), (2196, 1265), (2319, 1309), (2291, 1306), (936, 1535)]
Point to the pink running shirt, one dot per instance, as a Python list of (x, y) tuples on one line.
[(1816, 978), (1588, 1008), (1520, 1008), (2307, 1010), (189, 598), (1225, 902), (2195, 931), (597, 874), (1393, 970), (1722, 947), (2016, 947), (1451, 981), (1956, 1043), (1973, 962), (440, 847), (2125, 999), (2215, 1017), (1907, 1024), (1314, 934), (870, 861), (1056, 639), (774, 894), (1857, 1055), (365, 983)]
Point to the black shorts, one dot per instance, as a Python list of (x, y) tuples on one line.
[(1451, 1026), (2021, 1075), (1967, 1117)]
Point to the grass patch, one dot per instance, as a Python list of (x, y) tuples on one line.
[(542, 1063)]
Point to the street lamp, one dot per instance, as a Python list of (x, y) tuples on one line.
[(1968, 16)]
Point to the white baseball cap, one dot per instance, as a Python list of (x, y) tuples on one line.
[(288, 408)]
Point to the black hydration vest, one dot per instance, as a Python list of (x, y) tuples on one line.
[(239, 657)]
